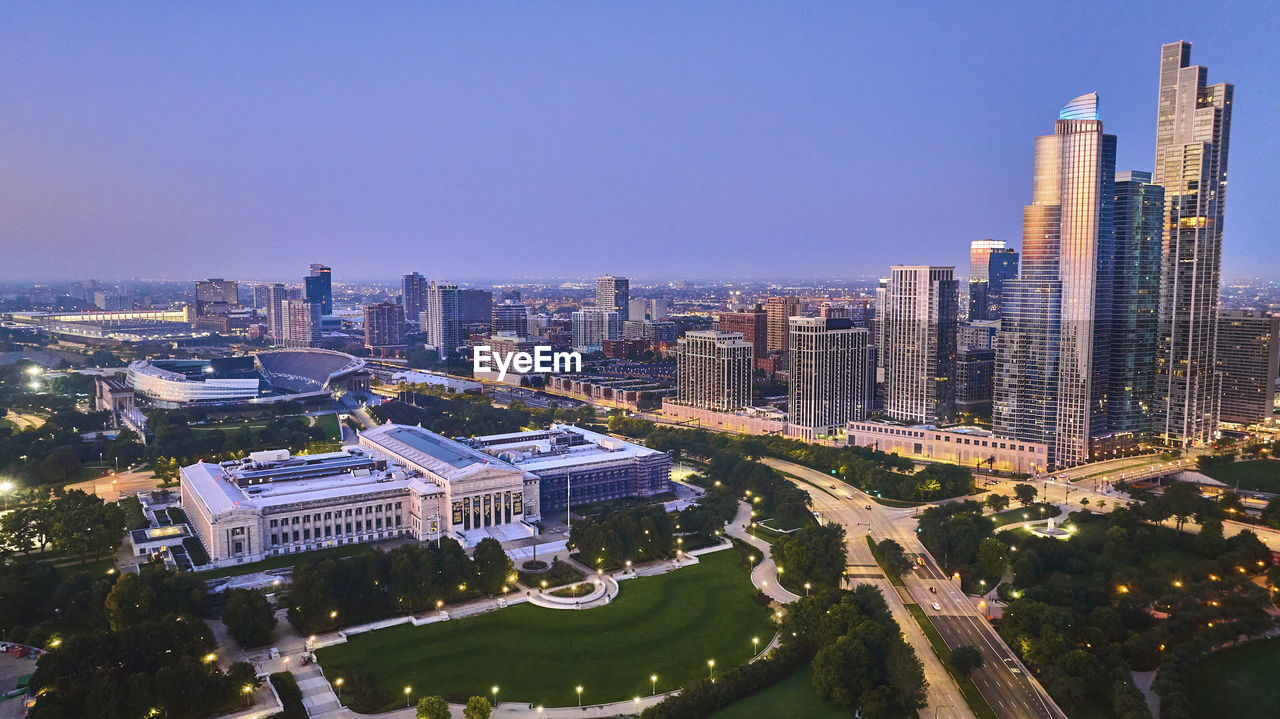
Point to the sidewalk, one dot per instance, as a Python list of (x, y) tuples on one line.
[(765, 574)]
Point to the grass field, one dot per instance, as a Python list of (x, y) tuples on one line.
[(791, 697), (668, 625), (1239, 682), (333, 431), (1262, 475)]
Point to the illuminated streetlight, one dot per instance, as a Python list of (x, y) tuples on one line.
[(247, 689), (755, 644), (407, 692), (338, 683), (711, 668), (653, 683), (579, 690)]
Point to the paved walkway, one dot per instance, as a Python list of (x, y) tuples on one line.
[(765, 574)]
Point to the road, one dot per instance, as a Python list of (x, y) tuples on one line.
[(113, 487), (958, 619)]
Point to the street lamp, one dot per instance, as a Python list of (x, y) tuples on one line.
[(806, 589), (711, 668), (653, 683), (407, 692), (579, 690), (247, 690), (338, 683), (755, 644), (6, 487), (494, 689)]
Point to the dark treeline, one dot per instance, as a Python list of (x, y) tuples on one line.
[(469, 415)]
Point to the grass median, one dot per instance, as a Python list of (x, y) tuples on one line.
[(977, 704)]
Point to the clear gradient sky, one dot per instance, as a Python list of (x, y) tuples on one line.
[(652, 139)]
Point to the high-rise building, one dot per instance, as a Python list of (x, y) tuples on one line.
[(991, 262), (637, 308), (510, 317), (413, 296), (753, 325), (261, 297), (1193, 129), (318, 288), (920, 343), (301, 323), (659, 308), (440, 319), (277, 295), (614, 293), (832, 371), (1135, 303), (1053, 349), (216, 297), (1248, 359), (384, 328), (975, 370), (591, 327), (650, 331), (778, 310), (475, 307), (713, 370)]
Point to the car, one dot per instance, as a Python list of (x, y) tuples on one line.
[(1012, 666), (867, 507), (848, 496), (936, 607), (933, 590), (832, 486)]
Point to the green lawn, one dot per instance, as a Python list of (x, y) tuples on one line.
[(791, 697), (668, 625), (329, 422), (1239, 682), (284, 560), (1262, 475)]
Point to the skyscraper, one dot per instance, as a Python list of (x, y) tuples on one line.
[(216, 297), (510, 317), (475, 307), (318, 288), (991, 262), (413, 296), (439, 319), (614, 293), (301, 323), (384, 329), (778, 310), (832, 368), (1249, 359), (1193, 129), (1135, 302), (920, 344), (1053, 350), (591, 327), (276, 298), (713, 370)]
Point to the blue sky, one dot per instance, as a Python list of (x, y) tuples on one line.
[(654, 139)]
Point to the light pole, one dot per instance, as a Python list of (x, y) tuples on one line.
[(755, 646), (653, 684), (408, 691), (711, 669), (338, 683), (579, 690), (5, 488), (495, 695)]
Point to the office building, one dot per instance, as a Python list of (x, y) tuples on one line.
[(713, 370), (991, 262), (384, 329), (831, 367), (1135, 303), (1193, 129), (637, 309), (965, 446), (753, 325), (301, 323), (979, 335), (277, 294), (216, 297), (591, 327), (440, 319), (1052, 352), (659, 308), (975, 372), (475, 309), (778, 310), (614, 293), (261, 297), (920, 344), (318, 288), (1248, 361), (510, 317), (413, 296), (652, 331)]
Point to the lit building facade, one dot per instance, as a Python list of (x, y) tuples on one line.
[(831, 375), (967, 446), (713, 370), (1136, 301), (1248, 361), (920, 343), (613, 294)]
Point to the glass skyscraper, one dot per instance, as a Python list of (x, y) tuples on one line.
[(1053, 352), (1136, 300), (1193, 127), (318, 288), (991, 263)]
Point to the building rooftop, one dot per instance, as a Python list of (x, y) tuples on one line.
[(449, 459), (560, 446)]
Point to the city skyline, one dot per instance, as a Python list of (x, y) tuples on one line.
[(683, 143)]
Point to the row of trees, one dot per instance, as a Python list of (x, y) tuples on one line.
[(639, 534), (73, 522), (467, 415), (327, 593)]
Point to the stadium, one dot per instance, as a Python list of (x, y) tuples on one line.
[(288, 374)]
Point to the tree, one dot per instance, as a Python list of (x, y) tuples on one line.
[(477, 708), (965, 659), (893, 557), (992, 558), (166, 469), (249, 617), (434, 708), (997, 502), (815, 554), (1025, 493), (1183, 500), (1210, 540), (493, 566)]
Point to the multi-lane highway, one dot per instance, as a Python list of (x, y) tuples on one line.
[(1002, 680)]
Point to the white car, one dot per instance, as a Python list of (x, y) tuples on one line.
[(936, 607), (1012, 665)]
